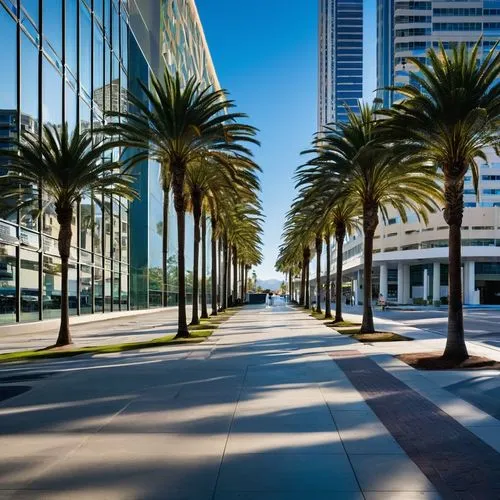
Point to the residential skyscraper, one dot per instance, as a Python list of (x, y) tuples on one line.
[(340, 63), (411, 259), (409, 28)]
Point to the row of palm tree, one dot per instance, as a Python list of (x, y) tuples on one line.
[(203, 149), (411, 158)]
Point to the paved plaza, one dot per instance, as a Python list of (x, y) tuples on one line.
[(273, 406)]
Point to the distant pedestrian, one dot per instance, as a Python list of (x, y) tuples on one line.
[(382, 302)]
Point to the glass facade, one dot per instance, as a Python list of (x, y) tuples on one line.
[(70, 61), (340, 59)]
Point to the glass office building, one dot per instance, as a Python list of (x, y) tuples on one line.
[(71, 61), (340, 62)]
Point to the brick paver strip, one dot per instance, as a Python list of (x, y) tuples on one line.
[(456, 461)]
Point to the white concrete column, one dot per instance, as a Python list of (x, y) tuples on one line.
[(436, 282), (406, 283), (469, 282), (426, 283), (383, 280), (400, 283), (358, 288)]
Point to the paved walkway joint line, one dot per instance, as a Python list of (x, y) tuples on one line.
[(459, 464)]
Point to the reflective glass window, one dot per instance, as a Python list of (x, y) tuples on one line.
[(86, 222), (52, 24), (51, 94), (50, 226), (97, 226), (107, 228), (98, 289), (98, 93), (8, 270), (85, 290), (116, 29), (123, 291), (107, 18), (116, 291), (107, 290), (29, 82), (124, 232), (31, 7), (71, 35), (71, 107), (85, 49), (29, 285), (124, 40), (98, 6), (8, 82), (84, 115)]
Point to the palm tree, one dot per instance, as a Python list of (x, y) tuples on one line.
[(451, 115), (176, 124), (352, 160), (62, 168), (345, 216)]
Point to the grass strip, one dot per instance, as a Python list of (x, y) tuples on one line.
[(197, 334)]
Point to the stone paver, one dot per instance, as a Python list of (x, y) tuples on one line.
[(457, 462), (259, 412)]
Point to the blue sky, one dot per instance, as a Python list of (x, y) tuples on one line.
[(265, 54)]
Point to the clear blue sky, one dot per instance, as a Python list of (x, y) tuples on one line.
[(265, 55)]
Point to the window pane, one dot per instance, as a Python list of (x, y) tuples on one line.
[(97, 229), (107, 291), (29, 286), (71, 40), (51, 94), (52, 27), (124, 291), (8, 82), (85, 290), (51, 287), (116, 291), (31, 7), (98, 289), (98, 67), (71, 107), (7, 284), (86, 224), (85, 49), (29, 83)]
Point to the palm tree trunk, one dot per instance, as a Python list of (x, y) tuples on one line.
[(370, 222), (235, 276), (214, 267), (339, 236), (290, 286), (319, 249), (204, 311), (307, 302), (230, 297), (242, 284), (220, 250), (180, 209), (224, 300), (195, 319), (456, 348), (166, 199), (64, 217), (328, 298), (302, 296)]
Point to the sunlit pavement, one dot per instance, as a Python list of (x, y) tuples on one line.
[(262, 410)]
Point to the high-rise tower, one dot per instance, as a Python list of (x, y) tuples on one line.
[(340, 52)]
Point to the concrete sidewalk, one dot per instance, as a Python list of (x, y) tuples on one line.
[(131, 326), (267, 408)]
